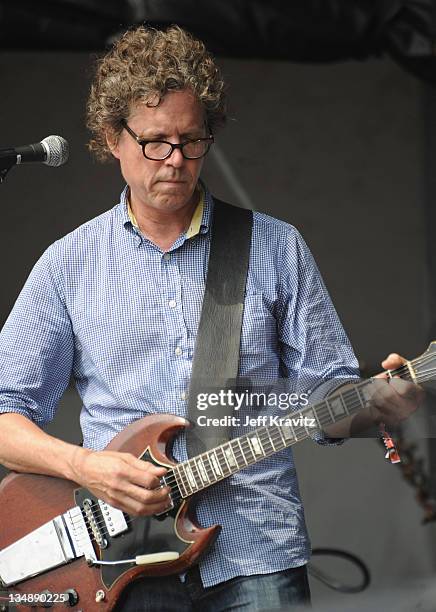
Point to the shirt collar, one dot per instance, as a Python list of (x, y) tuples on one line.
[(200, 220)]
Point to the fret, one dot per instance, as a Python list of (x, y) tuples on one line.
[(268, 431), (323, 414), (186, 484), (344, 403), (279, 429), (224, 464), (313, 411), (256, 445), (214, 463), (244, 440), (411, 372), (208, 466), (242, 451), (264, 441), (179, 481), (276, 437), (201, 469), (191, 478), (327, 405), (288, 432), (196, 473), (338, 407), (360, 396), (300, 432), (230, 456), (350, 397), (310, 414)]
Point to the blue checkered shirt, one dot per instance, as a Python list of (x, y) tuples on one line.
[(107, 305)]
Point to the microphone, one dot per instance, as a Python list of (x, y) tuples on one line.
[(52, 151)]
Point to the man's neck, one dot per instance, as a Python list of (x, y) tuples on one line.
[(164, 227)]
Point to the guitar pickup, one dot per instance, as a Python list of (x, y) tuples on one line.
[(114, 519)]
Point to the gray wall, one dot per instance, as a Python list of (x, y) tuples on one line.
[(337, 151)]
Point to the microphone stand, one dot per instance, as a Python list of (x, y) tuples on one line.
[(8, 158)]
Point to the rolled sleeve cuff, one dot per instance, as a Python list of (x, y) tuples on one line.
[(30, 414)]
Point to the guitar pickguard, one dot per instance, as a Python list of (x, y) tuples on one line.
[(145, 535)]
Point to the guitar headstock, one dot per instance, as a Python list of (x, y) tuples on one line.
[(423, 368)]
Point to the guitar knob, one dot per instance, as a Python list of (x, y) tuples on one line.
[(100, 596), (73, 597), (49, 595)]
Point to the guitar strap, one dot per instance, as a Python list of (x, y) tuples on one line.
[(216, 356)]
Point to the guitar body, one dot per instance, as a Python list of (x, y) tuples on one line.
[(156, 545), (28, 501)]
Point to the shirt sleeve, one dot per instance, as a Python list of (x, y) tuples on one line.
[(314, 348), (36, 348)]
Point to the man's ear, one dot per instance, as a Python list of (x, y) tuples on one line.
[(112, 143)]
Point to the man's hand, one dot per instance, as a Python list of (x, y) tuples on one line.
[(122, 480), (394, 400), (390, 401)]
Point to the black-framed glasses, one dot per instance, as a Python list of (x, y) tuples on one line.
[(157, 150)]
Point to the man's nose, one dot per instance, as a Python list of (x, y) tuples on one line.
[(176, 158)]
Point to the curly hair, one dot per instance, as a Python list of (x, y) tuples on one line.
[(144, 65)]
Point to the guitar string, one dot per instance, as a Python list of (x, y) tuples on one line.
[(267, 437), (271, 434), (274, 436), (403, 369), (172, 480), (263, 435), (266, 440)]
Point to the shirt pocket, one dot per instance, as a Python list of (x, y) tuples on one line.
[(259, 330)]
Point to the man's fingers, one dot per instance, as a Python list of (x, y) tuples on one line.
[(135, 499), (126, 482), (142, 473), (393, 361), (147, 497)]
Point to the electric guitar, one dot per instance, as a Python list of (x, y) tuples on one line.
[(61, 546)]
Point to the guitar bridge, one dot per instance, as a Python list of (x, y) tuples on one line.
[(55, 543)]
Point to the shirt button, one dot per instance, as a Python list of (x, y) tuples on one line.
[(183, 395), (172, 303), (178, 351), (167, 256)]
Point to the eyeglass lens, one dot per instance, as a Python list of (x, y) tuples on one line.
[(160, 150)]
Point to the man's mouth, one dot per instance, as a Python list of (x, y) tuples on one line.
[(173, 181)]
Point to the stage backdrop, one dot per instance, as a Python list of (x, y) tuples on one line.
[(337, 150)]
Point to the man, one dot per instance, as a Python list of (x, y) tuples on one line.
[(117, 303)]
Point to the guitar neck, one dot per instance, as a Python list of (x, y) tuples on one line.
[(282, 431)]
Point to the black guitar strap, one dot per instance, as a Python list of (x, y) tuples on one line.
[(216, 356)]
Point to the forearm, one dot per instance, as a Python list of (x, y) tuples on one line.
[(24, 447), (119, 478)]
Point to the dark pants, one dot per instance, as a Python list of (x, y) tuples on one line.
[(280, 591)]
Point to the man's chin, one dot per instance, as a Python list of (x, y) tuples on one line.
[(173, 199)]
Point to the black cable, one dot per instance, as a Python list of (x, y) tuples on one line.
[(333, 583)]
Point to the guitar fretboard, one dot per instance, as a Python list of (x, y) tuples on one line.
[(283, 431)]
